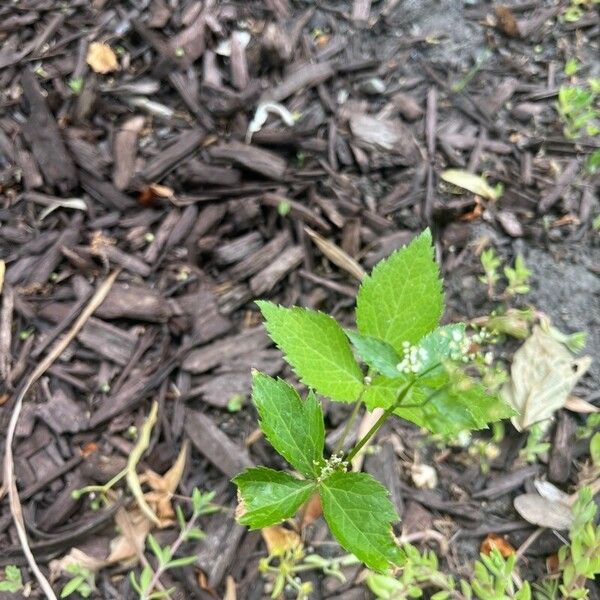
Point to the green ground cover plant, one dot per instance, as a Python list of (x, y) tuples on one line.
[(399, 360)]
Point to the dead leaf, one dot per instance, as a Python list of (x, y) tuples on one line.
[(543, 512), (552, 564), (151, 194), (163, 487), (579, 405), (470, 182), (75, 557), (550, 492), (506, 21), (279, 539), (2, 271), (336, 255), (230, 590), (101, 58), (543, 373), (494, 541), (368, 420), (134, 527)]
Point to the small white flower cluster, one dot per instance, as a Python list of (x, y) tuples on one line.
[(459, 347), (334, 463), (413, 359)]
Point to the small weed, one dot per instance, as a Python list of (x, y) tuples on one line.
[(412, 368), (12, 581)]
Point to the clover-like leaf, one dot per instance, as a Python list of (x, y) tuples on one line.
[(268, 496), (317, 348), (360, 516), (402, 300), (294, 427), (379, 355)]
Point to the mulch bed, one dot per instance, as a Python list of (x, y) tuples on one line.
[(202, 218)]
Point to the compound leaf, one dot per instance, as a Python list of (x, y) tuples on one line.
[(402, 299), (379, 355), (317, 348), (359, 514), (268, 496), (293, 427), (448, 409)]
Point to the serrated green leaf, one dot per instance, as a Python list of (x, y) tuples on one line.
[(270, 496), (316, 346), (439, 346), (446, 410), (402, 300), (294, 427), (378, 354), (360, 516)]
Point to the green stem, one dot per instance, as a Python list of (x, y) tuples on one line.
[(388, 411), (382, 419)]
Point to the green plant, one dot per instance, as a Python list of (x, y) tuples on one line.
[(535, 444), (492, 579), (413, 369), (12, 582), (83, 581), (572, 66), (148, 580), (490, 262), (283, 567), (580, 560), (518, 278), (578, 110)]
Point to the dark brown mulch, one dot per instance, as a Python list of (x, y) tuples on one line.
[(201, 222)]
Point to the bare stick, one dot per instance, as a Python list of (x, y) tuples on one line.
[(9, 467)]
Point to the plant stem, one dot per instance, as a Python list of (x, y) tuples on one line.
[(162, 568), (382, 419)]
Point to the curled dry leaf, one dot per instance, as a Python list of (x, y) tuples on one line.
[(279, 540), (469, 181), (311, 511), (579, 405), (493, 541), (543, 373), (543, 512), (75, 557), (163, 487), (549, 491), (102, 59)]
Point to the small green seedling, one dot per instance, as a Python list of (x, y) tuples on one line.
[(12, 581), (518, 278), (572, 66), (148, 581), (535, 445), (83, 581), (490, 262), (398, 360), (578, 110)]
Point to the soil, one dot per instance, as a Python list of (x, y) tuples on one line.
[(150, 169)]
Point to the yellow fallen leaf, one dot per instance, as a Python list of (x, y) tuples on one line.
[(279, 539), (163, 487), (101, 58), (469, 181)]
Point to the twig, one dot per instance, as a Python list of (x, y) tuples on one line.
[(134, 458), (10, 484)]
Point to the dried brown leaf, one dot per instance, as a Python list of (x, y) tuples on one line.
[(102, 58), (494, 541), (279, 539), (543, 373)]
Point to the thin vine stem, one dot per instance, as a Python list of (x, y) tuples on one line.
[(388, 411)]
